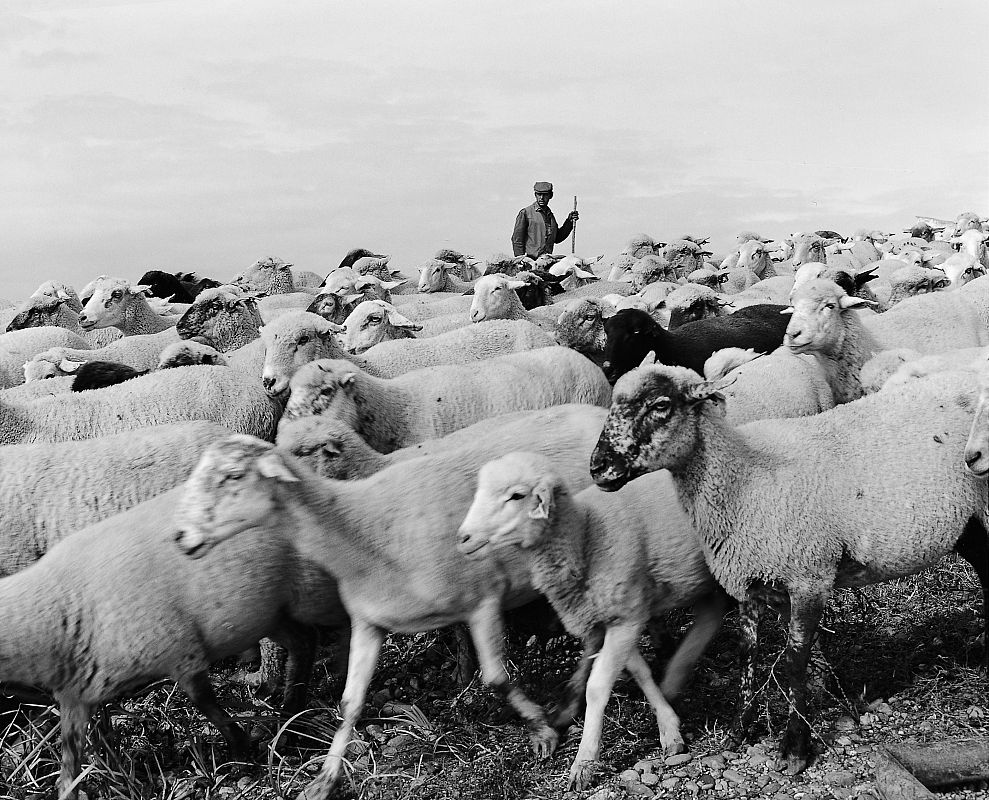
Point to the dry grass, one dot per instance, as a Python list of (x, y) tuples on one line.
[(915, 640)]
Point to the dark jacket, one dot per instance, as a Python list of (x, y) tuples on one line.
[(536, 232)]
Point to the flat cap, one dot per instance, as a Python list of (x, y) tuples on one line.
[(542, 186)]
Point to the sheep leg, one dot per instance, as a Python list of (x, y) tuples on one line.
[(619, 642), (365, 645), (200, 691), (488, 634), (666, 718), (573, 703), (709, 613), (748, 623), (269, 680), (300, 641), (74, 722), (973, 546), (805, 614)]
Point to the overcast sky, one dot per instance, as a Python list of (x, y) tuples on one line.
[(182, 134)]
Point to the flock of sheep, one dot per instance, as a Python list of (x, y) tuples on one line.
[(263, 459)]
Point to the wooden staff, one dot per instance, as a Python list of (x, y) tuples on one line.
[(573, 230)]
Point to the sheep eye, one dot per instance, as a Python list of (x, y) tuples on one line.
[(303, 340), (234, 476), (830, 305), (517, 496), (661, 406), (116, 294)]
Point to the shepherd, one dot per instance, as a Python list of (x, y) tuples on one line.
[(536, 229)]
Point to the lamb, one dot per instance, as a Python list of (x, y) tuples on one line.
[(581, 327), (406, 539), (217, 394), (298, 338), (19, 347), (115, 303), (769, 545), (100, 374), (429, 403), (187, 353), (83, 623), (57, 304), (51, 490), (607, 563), (632, 334)]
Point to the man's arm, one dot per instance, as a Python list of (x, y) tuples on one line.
[(520, 234), (563, 231)]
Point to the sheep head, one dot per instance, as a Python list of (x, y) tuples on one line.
[(373, 322), (223, 318), (294, 339), (581, 326), (653, 423), (269, 275), (325, 386), (233, 489), (326, 445), (818, 321), (512, 505), (109, 303)]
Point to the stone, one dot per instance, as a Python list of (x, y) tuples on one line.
[(629, 776), (845, 723), (669, 783), (705, 781), (638, 790), (692, 787), (884, 709), (733, 776), (844, 741), (925, 727), (729, 754), (650, 778), (758, 758), (839, 778), (770, 788), (602, 794), (679, 760), (646, 767), (715, 762)]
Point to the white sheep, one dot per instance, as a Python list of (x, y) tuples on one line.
[(268, 276), (495, 298), (972, 359), (607, 563), (394, 560), (332, 449), (20, 346), (275, 305), (187, 353), (788, 509), (300, 337), (50, 490), (141, 352), (223, 317), (216, 394), (117, 605), (115, 303), (442, 276), (428, 403), (375, 321), (57, 304), (825, 323)]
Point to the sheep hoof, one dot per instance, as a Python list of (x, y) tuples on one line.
[(544, 741), (673, 746), (319, 789), (580, 775)]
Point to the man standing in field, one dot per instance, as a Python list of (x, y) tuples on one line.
[(536, 230)]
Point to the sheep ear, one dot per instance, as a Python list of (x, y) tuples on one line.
[(787, 310), (67, 365), (649, 360), (348, 379), (270, 465), (140, 289), (331, 328), (352, 298), (389, 285), (847, 302), (332, 447), (543, 494), (517, 284), (397, 320)]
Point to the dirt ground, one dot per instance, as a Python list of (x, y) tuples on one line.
[(900, 664)]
